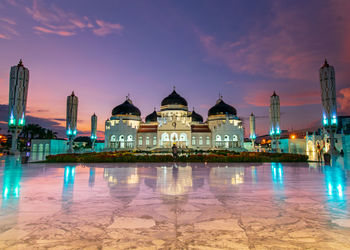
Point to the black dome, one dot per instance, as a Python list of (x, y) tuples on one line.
[(152, 117), (196, 117), (126, 108), (174, 99), (221, 108)]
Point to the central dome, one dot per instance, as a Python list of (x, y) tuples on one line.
[(174, 99), (196, 117), (221, 108), (126, 108)]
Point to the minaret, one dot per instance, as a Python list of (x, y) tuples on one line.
[(18, 92), (252, 129), (93, 130), (329, 102), (275, 130), (71, 120)]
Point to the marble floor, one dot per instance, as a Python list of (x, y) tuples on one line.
[(169, 206)]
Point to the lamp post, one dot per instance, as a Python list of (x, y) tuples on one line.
[(252, 129), (329, 103), (275, 130), (71, 119), (93, 130), (18, 92)]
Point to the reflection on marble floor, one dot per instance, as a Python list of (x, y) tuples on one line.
[(169, 206)]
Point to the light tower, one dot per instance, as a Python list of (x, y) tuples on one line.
[(71, 120), (18, 91), (252, 129), (93, 130), (275, 130), (329, 102)]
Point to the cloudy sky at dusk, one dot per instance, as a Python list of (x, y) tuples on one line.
[(104, 50)]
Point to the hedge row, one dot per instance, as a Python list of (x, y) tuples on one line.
[(131, 157)]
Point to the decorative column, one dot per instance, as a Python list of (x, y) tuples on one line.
[(252, 129), (18, 92), (93, 130), (275, 130), (329, 103), (71, 120)]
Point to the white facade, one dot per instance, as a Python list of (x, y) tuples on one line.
[(172, 125)]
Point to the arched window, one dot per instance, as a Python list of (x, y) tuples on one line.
[(113, 138), (193, 140), (147, 141), (234, 138), (165, 137), (121, 141), (208, 140), (129, 138), (200, 140), (183, 137), (218, 138), (154, 140)]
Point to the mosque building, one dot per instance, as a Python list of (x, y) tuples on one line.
[(172, 125)]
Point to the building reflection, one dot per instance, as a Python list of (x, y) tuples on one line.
[(11, 191), (226, 176), (277, 176), (175, 180), (92, 173), (11, 183), (68, 187), (335, 182), (123, 182), (254, 173)]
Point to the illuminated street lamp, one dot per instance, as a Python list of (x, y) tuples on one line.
[(93, 130), (18, 92), (329, 102), (71, 119)]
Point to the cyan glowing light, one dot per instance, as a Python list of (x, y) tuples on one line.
[(278, 131), (69, 131), (6, 191), (252, 136), (17, 192), (334, 120), (340, 190), (272, 132), (330, 189), (74, 132), (93, 137), (12, 120)]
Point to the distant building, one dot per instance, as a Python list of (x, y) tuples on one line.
[(172, 125)]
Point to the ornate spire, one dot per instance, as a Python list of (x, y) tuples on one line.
[(274, 93), (325, 63), (72, 93), (20, 63)]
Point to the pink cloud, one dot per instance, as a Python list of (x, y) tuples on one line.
[(57, 32), (295, 98), (7, 30), (344, 100), (105, 28), (54, 20)]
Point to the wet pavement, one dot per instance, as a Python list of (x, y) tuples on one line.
[(169, 206)]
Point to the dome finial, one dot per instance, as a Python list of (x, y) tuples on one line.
[(154, 109), (325, 63), (174, 88), (72, 93), (274, 93)]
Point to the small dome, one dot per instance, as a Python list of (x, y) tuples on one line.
[(152, 117), (126, 108), (221, 108), (174, 99), (196, 117)]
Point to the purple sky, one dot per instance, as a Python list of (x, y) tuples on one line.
[(244, 50)]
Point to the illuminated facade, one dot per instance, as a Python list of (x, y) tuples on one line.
[(172, 125)]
